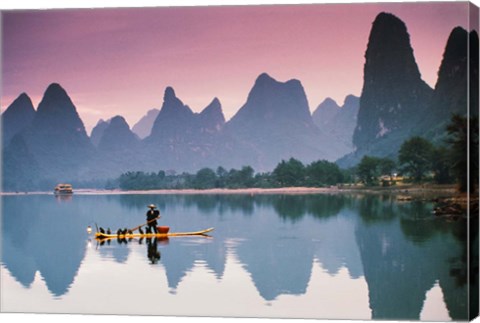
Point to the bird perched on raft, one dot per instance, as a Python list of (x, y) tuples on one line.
[(140, 230)]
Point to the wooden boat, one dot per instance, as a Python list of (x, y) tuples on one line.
[(101, 236), (63, 189)]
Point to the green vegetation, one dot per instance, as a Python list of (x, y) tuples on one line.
[(291, 173), (463, 141), (419, 161), (287, 174), (416, 156), (371, 169)]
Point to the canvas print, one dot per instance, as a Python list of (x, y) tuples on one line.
[(274, 161)]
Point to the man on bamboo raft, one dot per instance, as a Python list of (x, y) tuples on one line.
[(152, 215)]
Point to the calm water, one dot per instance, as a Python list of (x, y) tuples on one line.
[(303, 256)]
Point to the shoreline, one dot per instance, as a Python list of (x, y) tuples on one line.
[(449, 204), (403, 190), (213, 191)]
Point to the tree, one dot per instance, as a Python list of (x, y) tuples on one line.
[(415, 155), (441, 166), (322, 172), (246, 176), (221, 177), (368, 170), (463, 140), (263, 180), (205, 178), (290, 173), (386, 166), (349, 175), (240, 178)]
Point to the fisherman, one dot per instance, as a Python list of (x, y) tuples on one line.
[(152, 216)]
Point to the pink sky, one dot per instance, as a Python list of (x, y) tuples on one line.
[(119, 61)]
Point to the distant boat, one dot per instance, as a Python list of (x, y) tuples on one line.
[(63, 189)]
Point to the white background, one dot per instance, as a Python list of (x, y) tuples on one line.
[(54, 318)]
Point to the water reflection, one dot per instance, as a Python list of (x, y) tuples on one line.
[(152, 251), (399, 249), (64, 198), (40, 234)]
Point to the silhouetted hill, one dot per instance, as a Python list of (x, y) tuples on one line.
[(338, 122), (18, 116), (57, 137), (211, 119), (452, 87), (270, 101), (325, 112), (175, 121), (117, 136), (119, 151), (97, 131), (275, 124), (393, 92), (20, 169), (143, 127), (183, 140)]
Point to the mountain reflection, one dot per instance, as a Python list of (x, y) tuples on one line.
[(41, 234), (398, 248), (403, 253), (113, 250)]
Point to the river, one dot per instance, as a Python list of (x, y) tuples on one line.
[(346, 256)]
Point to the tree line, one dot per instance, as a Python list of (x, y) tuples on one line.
[(287, 173), (454, 160), (418, 160)]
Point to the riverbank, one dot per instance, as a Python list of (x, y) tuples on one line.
[(246, 191), (218, 191), (448, 203), (407, 191), (457, 207)]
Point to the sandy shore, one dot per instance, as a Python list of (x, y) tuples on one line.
[(246, 191), (406, 190), (397, 190)]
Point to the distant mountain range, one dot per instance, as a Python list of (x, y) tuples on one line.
[(396, 103), (143, 127), (17, 117), (339, 122), (48, 145)]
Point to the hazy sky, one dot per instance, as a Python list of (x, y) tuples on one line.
[(119, 61)]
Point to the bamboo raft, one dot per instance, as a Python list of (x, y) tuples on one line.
[(102, 236)]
